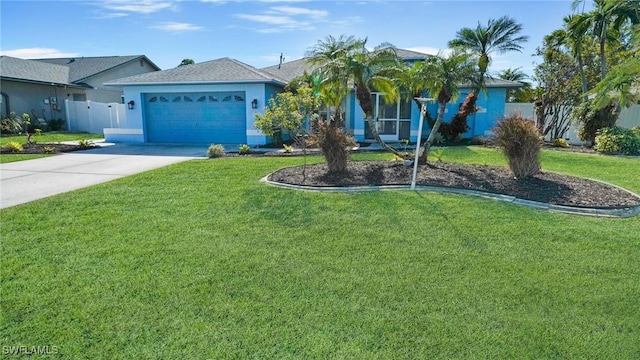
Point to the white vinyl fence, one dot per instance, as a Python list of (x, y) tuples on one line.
[(93, 117), (629, 117)]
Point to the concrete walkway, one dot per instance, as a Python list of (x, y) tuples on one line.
[(25, 181)]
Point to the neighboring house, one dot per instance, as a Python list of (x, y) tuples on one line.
[(215, 102), (41, 86)]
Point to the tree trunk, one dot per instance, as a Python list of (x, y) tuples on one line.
[(364, 99), (540, 110), (374, 130), (583, 78), (603, 59), (432, 134)]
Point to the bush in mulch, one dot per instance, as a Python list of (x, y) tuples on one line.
[(42, 149), (519, 140)]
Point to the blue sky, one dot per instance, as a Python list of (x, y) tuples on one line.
[(256, 32)]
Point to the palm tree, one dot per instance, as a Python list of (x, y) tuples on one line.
[(413, 79), (608, 16), (573, 36), (516, 74), (346, 62), (623, 80), (498, 36), (445, 74)]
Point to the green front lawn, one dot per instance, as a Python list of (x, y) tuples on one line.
[(200, 260), (51, 137), (7, 158)]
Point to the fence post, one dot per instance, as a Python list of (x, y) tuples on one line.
[(117, 116), (110, 119), (90, 116), (68, 115)]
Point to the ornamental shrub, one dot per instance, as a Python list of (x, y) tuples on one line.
[(617, 140), (13, 146), (11, 124), (86, 144), (592, 119), (335, 145), (215, 151), (244, 150), (519, 140), (559, 142)]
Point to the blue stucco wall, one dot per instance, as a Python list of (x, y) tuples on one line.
[(491, 103), (254, 136)]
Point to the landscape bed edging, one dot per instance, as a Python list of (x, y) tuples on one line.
[(624, 212)]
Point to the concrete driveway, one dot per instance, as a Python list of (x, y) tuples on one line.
[(26, 181)]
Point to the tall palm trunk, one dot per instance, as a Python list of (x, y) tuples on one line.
[(432, 134), (583, 77), (603, 59), (443, 99)]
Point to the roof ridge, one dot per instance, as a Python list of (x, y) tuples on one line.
[(251, 68), (90, 57), (33, 61)]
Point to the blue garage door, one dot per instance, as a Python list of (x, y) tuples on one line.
[(213, 117)]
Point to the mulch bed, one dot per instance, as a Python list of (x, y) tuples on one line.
[(45, 149), (544, 187)]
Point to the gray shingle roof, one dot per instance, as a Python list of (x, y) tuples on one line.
[(410, 55), (222, 70), (81, 68), (497, 83), (31, 70), (289, 70), (292, 69)]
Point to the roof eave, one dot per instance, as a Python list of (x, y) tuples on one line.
[(266, 81), (50, 83)]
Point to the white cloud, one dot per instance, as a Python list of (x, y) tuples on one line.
[(176, 27), (136, 6), (287, 18), (112, 15), (37, 53), (268, 19), (283, 1), (291, 10)]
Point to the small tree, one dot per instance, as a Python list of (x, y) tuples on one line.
[(558, 91), (288, 111)]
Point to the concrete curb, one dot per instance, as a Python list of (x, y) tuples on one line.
[(623, 212)]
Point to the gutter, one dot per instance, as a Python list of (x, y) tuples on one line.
[(271, 81)]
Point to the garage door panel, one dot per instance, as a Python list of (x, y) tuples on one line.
[(213, 117)]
